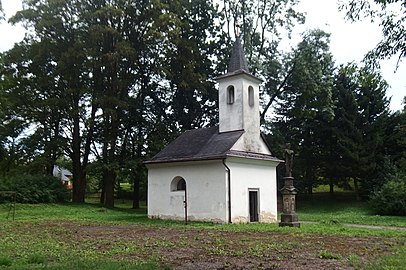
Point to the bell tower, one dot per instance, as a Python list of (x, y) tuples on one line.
[(239, 98)]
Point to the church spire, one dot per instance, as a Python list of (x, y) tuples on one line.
[(237, 60), (239, 98)]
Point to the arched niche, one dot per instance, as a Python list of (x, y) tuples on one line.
[(230, 94), (251, 96), (178, 184)]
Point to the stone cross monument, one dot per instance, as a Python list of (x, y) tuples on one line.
[(289, 216)]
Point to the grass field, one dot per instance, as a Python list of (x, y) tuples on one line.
[(88, 236), (342, 209)]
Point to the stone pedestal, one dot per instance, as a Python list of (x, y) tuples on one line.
[(289, 216)]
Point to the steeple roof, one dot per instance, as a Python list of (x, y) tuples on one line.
[(237, 60)]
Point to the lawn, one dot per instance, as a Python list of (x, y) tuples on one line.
[(88, 236), (342, 208)]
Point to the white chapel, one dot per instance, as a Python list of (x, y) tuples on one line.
[(223, 174)]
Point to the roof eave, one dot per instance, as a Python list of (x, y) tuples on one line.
[(250, 155), (219, 157), (237, 73), (148, 162)]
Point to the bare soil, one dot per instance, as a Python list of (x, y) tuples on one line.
[(191, 248)]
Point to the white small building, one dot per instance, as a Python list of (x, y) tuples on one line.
[(63, 174), (224, 174)]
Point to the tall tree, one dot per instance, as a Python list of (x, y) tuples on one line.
[(191, 63), (361, 113), (56, 35), (11, 125), (36, 97), (125, 66), (304, 108), (346, 138), (175, 89), (373, 113)]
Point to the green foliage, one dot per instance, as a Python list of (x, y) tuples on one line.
[(304, 108), (391, 17), (385, 171), (35, 188), (357, 131), (121, 77), (390, 199)]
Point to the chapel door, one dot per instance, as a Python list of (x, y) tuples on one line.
[(253, 205)]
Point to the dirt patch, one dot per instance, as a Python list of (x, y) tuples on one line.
[(191, 248)]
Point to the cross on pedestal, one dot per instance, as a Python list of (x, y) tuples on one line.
[(289, 216)]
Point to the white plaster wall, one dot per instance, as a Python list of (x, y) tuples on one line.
[(206, 191), (240, 115), (251, 117), (231, 115), (260, 145), (253, 174)]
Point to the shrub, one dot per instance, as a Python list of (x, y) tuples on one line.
[(385, 171), (35, 188), (390, 199)]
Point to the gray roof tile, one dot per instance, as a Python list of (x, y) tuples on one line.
[(204, 144), (237, 59), (198, 144)]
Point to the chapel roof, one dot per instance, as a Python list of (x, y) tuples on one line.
[(195, 144), (204, 144)]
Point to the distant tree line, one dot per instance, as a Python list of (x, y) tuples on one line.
[(100, 86)]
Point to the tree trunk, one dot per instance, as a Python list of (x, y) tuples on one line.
[(79, 183), (79, 177), (109, 180), (331, 186), (50, 168), (136, 193), (309, 178), (356, 188), (103, 191), (78, 187), (310, 188)]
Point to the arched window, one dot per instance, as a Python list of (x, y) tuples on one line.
[(230, 94), (178, 183), (251, 96)]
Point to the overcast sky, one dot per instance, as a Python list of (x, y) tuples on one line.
[(349, 41)]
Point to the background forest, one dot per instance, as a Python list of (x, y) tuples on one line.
[(99, 86)]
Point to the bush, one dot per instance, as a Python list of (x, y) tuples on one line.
[(35, 189), (390, 199)]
